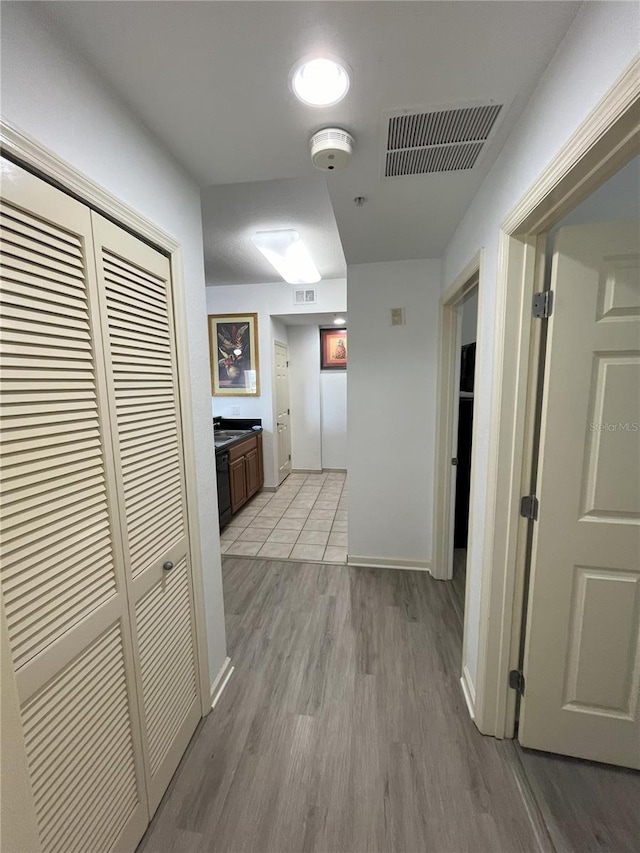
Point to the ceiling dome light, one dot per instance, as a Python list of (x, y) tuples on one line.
[(339, 321), (319, 82)]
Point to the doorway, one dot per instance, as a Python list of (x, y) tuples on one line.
[(580, 658), (283, 432), (463, 436), (457, 382), (449, 563)]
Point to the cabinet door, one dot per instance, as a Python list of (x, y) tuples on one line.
[(238, 478), (252, 472), (260, 460), (63, 584), (140, 354)]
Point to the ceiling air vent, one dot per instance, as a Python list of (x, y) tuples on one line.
[(439, 141)]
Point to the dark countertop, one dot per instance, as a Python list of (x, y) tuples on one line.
[(227, 431)]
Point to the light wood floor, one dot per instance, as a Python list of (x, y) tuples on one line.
[(343, 730)]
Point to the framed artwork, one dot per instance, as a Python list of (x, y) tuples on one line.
[(333, 349), (233, 348)]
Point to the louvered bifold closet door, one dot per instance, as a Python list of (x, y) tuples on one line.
[(62, 565), (137, 309)]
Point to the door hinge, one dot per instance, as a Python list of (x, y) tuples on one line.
[(289, 457), (454, 461), (543, 304), (529, 507), (288, 411), (516, 681)]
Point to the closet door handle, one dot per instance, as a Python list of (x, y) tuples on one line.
[(167, 566)]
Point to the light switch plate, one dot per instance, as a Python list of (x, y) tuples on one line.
[(235, 410), (397, 317)]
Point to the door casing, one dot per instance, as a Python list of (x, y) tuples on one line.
[(607, 139), (446, 435), (32, 155), (446, 414), (27, 151)]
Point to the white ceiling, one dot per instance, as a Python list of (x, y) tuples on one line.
[(231, 213), (210, 80)]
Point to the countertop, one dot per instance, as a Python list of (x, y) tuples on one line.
[(225, 438)]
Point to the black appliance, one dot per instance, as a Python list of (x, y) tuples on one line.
[(465, 429), (467, 367), (463, 472), (224, 487)]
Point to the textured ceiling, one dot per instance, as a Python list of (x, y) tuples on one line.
[(209, 79), (231, 213)]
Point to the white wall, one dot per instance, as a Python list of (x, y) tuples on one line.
[(51, 94), (265, 300), (333, 404), (618, 198), (304, 379), (279, 331), (391, 409), (599, 45)]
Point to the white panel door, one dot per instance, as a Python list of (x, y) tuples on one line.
[(283, 431), (62, 565), (140, 354), (582, 662)]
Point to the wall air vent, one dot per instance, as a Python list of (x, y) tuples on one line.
[(305, 295), (440, 141)]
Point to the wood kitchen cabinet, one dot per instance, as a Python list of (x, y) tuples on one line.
[(246, 470), (252, 473), (238, 478)]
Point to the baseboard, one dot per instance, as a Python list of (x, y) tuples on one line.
[(220, 681), (318, 470), (383, 563), (269, 489), (468, 692)]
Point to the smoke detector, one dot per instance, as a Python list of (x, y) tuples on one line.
[(331, 149)]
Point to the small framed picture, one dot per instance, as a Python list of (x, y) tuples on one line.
[(333, 349), (233, 349)]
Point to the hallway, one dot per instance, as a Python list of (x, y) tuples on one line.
[(343, 728)]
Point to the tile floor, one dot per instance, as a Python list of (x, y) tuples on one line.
[(306, 520)]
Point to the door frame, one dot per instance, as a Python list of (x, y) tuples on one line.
[(605, 141), (276, 443), (446, 414), (28, 152)]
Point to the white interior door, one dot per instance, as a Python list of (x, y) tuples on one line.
[(140, 355), (62, 564), (582, 661), (95, 565), (283, 432)]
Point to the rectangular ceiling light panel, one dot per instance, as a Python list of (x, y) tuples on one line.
[(287, 253), (438, 141)]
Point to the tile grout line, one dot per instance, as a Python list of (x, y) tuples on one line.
[(293, 490)]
